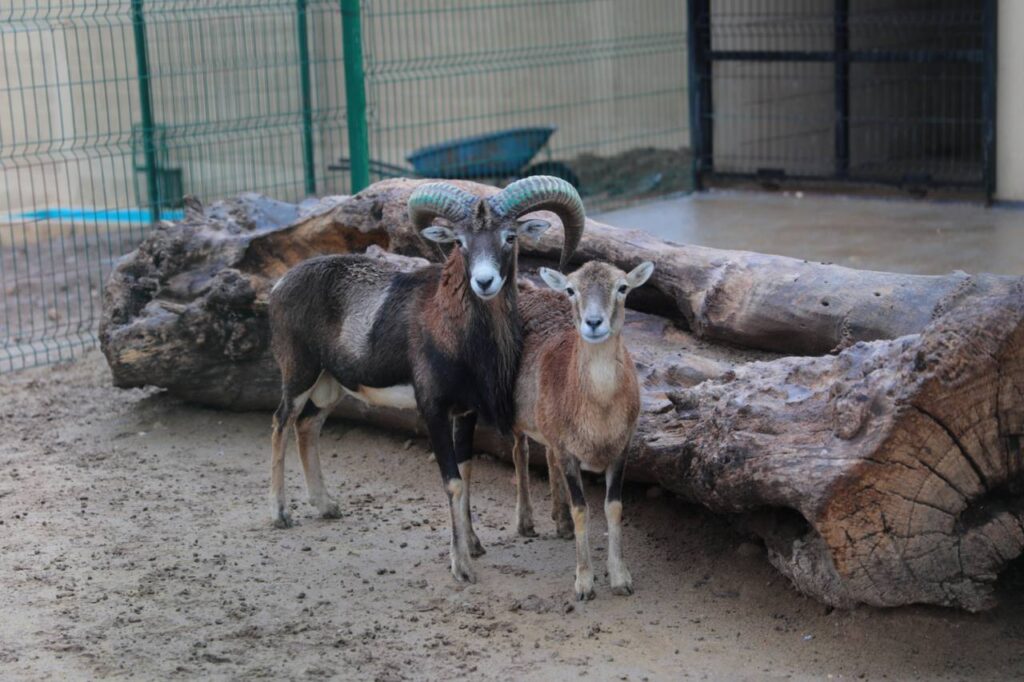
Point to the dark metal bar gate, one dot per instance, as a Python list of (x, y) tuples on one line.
[(908, 97)]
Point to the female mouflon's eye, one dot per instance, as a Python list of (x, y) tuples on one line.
[(570, 291), (510, 238), (623, 289)]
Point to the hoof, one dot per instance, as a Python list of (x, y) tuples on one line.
[(282, 520), (527, 531), (463, 574), (566, 532), (586, 595), (332, 510), (621, 581), (585, 587), (476, 549), (623, 590)]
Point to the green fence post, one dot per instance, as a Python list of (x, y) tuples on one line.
[(355, 95), (307, 101), (146, 104)]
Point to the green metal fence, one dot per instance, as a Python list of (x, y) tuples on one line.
[(111, 111)]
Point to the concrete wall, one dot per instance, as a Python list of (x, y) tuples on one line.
[(1010, 103)]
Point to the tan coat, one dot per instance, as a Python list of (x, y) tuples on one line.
[(574, 397)]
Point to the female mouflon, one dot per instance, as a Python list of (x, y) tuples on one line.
[(577, 394)]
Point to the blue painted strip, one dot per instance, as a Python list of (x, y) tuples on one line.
[(133, 216)]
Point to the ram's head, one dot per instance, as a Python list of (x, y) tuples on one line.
[(487, 231)]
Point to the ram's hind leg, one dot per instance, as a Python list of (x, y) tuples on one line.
[(283, 419), (524, 510), (307, 433), (463, 428), (298, 379)]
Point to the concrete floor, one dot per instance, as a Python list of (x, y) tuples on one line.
[(923, 237)]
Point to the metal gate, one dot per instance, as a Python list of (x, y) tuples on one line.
[(895, 92)]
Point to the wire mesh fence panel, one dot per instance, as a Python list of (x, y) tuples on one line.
[(590, 90), (111, 111)]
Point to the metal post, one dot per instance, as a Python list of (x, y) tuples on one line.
[(307, 101), (146, 105), (842, 87), (355, 95), (698, 32), (988, 98)]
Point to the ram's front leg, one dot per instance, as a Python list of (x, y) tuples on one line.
[(618, 575), (463, 428), (439, 426)]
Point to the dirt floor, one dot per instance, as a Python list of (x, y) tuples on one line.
[(135, 542)]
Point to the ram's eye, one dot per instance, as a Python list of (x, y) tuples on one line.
[(462, 242), (510, 238), (570, 291), (623, 288)]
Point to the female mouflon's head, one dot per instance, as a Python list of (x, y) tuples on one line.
[(597, 292)]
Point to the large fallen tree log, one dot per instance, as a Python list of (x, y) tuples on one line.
[(741, 298), (887, 473)]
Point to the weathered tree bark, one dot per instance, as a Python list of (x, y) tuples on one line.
[(888, 473)]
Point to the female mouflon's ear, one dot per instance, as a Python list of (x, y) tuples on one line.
[(532, 229), (554, 279), (436, 233), (640, 274)]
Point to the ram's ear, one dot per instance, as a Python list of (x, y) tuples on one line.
[(554, 279), (532, 229), (640, 274), (439, 234)]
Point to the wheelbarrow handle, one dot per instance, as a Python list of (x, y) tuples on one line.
[(379, 168)]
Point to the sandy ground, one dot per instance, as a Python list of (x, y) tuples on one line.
[(134, 542)]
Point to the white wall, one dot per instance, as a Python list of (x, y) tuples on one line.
[(1010, 103)]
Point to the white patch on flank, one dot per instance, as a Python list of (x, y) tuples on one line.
[(326, 391), (401, 396), (355, 330)]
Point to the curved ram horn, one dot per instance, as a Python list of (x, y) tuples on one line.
[(439, 199), (545, 193)]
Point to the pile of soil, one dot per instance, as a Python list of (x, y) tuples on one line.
[(633, 174)]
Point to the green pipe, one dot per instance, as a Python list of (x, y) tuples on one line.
[(146, 104), (307, 99), (355, 95)]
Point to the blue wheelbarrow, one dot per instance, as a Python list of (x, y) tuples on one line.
[(505, 154)]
